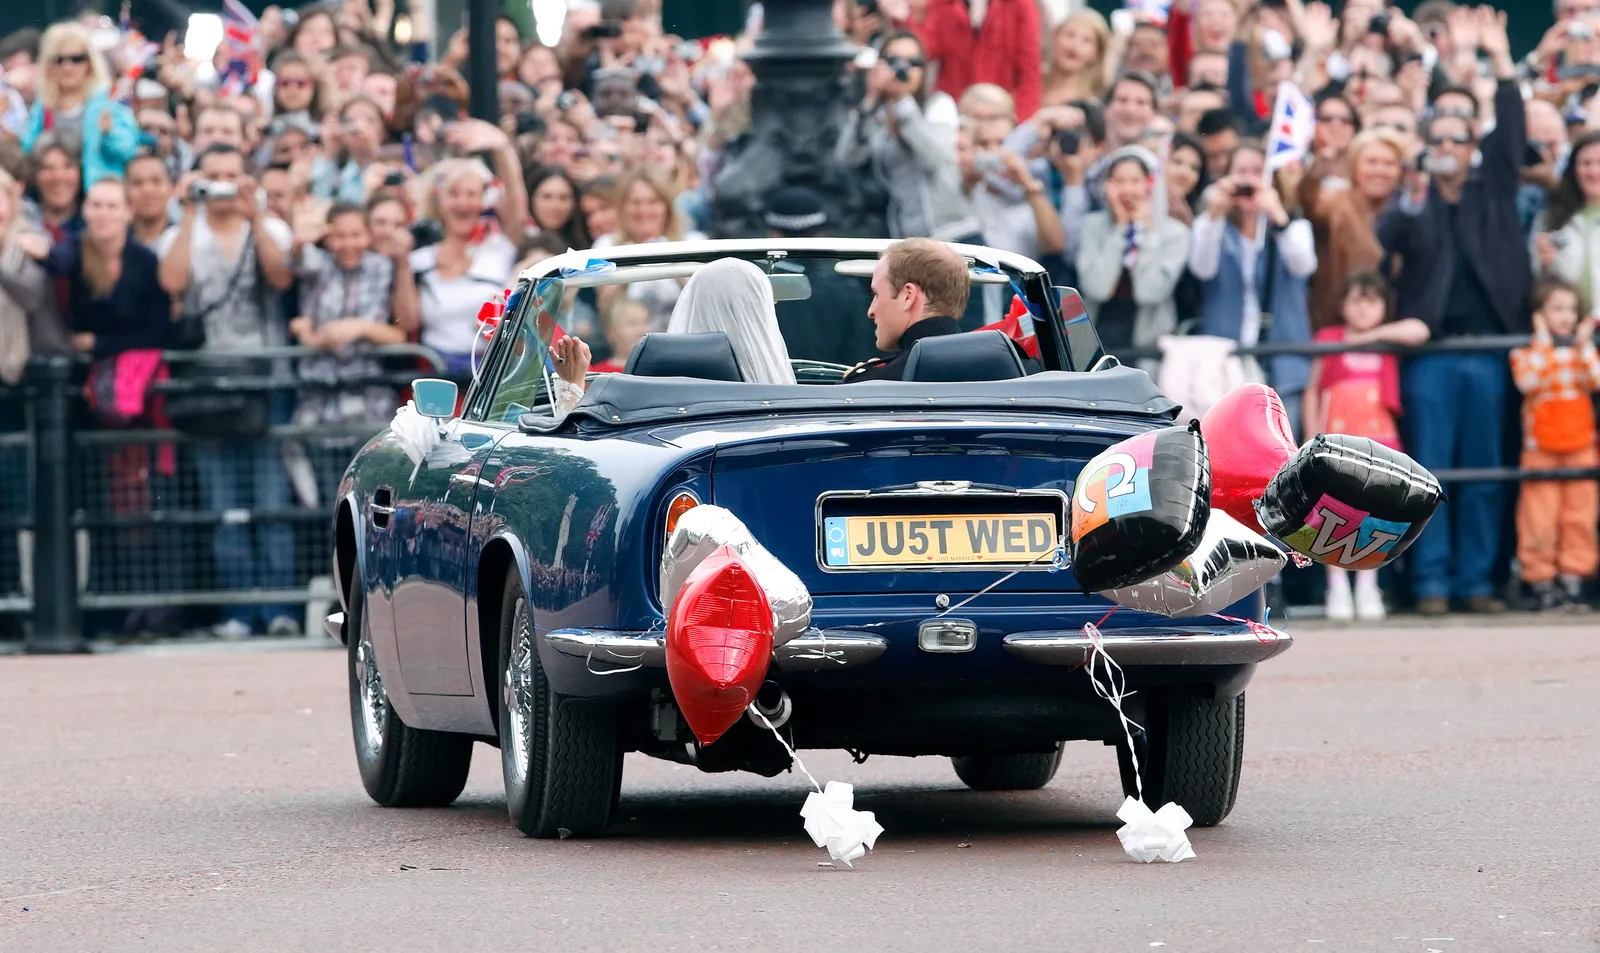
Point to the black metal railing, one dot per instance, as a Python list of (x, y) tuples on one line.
[(100, 524), (90, 534)]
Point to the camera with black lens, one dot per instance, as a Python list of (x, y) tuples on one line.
[(901, 68), (1379, 24), (204, 191), (530, 123), (1069, 141)]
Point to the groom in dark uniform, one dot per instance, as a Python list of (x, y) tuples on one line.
[(917, 286)]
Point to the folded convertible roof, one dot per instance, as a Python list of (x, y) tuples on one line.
[(622, 400)]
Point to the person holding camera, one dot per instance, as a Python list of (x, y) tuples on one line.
[(908, 137), (225, 261), (1062, 144), (1464, 272), (1012, 206), (350, 143), (1566, 232), (1253, 260)]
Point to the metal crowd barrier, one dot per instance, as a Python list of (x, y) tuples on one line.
[(83, 542), (125, 531)]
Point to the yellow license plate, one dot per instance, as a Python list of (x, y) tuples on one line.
[(986, 539)]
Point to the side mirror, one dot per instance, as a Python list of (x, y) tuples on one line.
[(434, 398)]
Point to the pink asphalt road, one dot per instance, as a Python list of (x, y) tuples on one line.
[(1404, 789)]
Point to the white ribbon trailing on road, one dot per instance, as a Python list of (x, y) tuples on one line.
[(1148, 836), (833, 823), (830, 816), (1145, 835)]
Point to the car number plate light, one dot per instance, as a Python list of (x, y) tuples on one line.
[(947, 636)]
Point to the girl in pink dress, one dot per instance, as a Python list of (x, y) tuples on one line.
[(1357, 394)]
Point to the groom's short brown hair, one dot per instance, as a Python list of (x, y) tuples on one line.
[(935, 268)]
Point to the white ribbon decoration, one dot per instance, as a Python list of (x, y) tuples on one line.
[(832, 823), (1145, 835), (830, 818)]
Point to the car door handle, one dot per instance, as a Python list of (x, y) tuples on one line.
[(469, 479), (381, 506)]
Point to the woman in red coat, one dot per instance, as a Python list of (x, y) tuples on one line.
[(986, 41)]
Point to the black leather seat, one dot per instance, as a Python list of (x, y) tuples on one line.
[(707, 355), (972, 356)]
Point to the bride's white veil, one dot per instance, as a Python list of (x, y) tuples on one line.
[(735, 297)]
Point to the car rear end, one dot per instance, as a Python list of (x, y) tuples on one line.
[(942, 619)]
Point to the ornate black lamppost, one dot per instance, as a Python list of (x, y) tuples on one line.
[(796, 113)]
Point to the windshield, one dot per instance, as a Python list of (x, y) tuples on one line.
[(821, 305), (820, 302)]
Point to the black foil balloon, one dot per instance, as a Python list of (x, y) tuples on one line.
[(1140, 508), (1349, 502)]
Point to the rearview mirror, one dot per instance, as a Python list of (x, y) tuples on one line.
[(790, 287), (434, 398)]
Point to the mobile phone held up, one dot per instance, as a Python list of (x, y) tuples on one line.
[(605, 30)]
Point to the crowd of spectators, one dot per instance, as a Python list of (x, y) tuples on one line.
[(330, 191)]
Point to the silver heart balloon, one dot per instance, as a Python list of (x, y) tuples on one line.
[(703, 530), (1231, 562)]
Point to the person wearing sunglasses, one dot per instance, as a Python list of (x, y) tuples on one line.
[(1465, 273), (75, 106)]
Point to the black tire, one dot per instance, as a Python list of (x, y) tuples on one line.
[(1192, 753), (405, 767), (1007, 772), (565, 778)]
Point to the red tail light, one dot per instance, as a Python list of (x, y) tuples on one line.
[(719, 643)]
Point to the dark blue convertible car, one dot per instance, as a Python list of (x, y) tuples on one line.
[(500, 583)]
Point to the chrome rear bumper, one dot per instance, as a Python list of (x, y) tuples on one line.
[(814, 651), (1154, 646)]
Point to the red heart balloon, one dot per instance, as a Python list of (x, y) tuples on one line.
[(1248, 436), (719, 643)]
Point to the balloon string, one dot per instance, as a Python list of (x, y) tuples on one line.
[(1055, 556), (1265, 634), (779, 735), (1114, 689)]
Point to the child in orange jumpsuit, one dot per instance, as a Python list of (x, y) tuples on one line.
[(1556, 519)]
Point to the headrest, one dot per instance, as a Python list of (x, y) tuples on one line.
[(706, 355), (973, 356)]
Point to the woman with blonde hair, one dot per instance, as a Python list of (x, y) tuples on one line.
[(1343, 218), (1077, 64), (469, 265), (75, 106), (648, 212), (982, 102)]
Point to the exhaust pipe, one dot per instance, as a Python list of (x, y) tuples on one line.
[(773, 703)]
